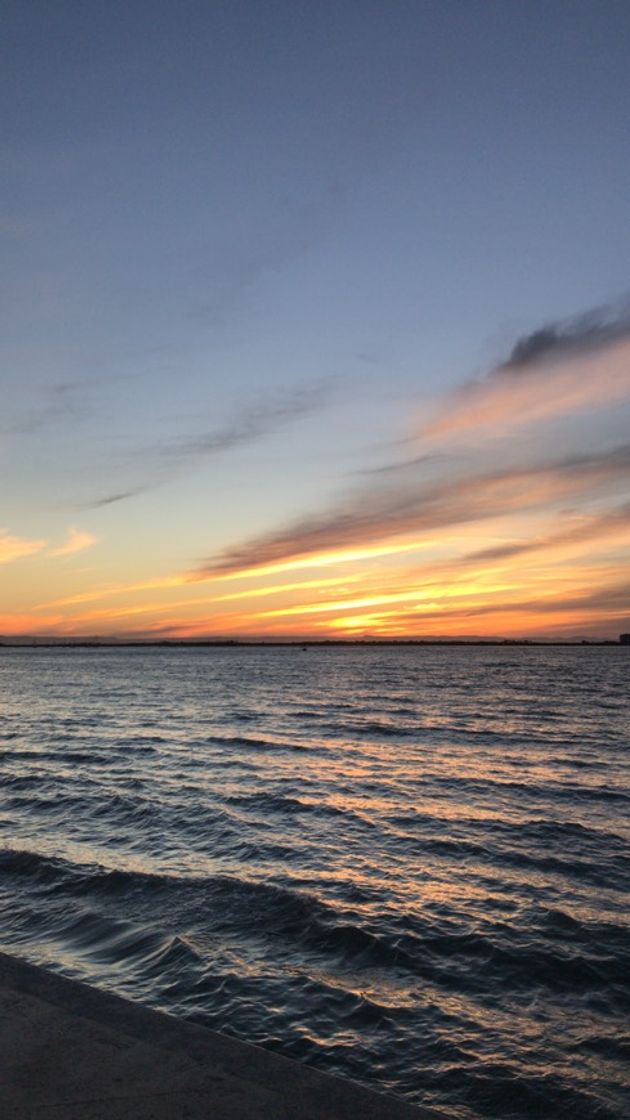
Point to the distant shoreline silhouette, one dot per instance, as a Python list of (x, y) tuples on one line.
[(299, 643)]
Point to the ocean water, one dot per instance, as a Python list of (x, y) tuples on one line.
[(409, 866)]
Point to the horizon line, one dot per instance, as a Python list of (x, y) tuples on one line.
[(32, 641)]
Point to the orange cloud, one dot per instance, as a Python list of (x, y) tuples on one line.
[(16, 548), (562, 378), (579, 530), (106, 592), (13, 624), (78, 540), (314, 560), (366, 523)]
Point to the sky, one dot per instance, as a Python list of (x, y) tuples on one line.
[(315, 319)]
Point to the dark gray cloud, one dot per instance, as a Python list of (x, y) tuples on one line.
[(564, 338), (111, 499)]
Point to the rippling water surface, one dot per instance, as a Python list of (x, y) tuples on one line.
[(409, 866)]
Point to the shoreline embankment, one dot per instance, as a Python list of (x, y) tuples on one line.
[(71, 1052)]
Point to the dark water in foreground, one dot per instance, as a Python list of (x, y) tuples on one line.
[(408, 866)]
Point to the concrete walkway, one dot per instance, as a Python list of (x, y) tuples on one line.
[(69, 1052)]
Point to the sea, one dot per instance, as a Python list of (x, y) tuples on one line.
[(406, 865)]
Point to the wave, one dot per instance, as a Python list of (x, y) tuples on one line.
[(550, 790), (269, 802), (250, 742), (606, 869), (427, 948), (39, 756)]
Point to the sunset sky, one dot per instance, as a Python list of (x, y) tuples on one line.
[(315, 319)]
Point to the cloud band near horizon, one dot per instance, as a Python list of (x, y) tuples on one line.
[(369, 516)]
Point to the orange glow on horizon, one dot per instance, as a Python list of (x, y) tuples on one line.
[(527, 571)]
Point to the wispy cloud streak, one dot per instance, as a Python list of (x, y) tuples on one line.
[(164, 460), (580, 531), (111, 499), (253, 423), (53, 404)]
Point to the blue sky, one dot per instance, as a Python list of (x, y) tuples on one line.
[(248, 246)]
